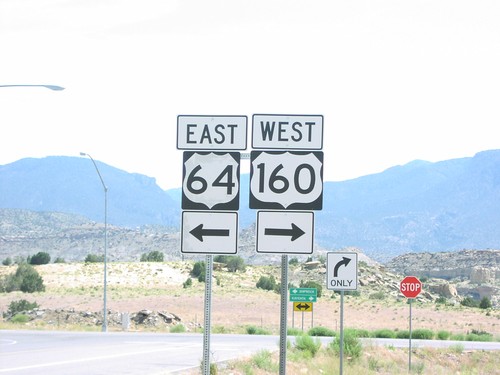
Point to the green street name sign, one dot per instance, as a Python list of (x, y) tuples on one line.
[(303, 294)]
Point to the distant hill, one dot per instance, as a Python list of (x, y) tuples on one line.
[(418, 207)]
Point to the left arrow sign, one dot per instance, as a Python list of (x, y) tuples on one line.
[(199, 232)]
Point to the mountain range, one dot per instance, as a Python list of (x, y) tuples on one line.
[(421, 206)]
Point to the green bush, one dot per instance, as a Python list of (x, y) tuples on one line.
[(59, 260), (457, 337), (20, 318), (236, 263), (40, 258), (357, 332), (293, 261), (198, 269), (25, 279), (306, 343), (312, 284), (21, 306), (178, 328), (253, 330), (94, 258), (384, 334), (476, 335), (267, 283), (321, 331), (422, 334), (293, 331), (264, 361), (441, 300), (377, 295), (403, 334), (152, 256), (352, 345), (443, 335), (485, 303), (187, 283), (7, 261), (469, 302)]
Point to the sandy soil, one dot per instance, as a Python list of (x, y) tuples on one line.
[(235, 303)]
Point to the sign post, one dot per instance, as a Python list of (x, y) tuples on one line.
[(210, 182), (341, 275), (410, 287)]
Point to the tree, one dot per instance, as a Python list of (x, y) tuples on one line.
[(236, 263), (485, 303), (7, 261), (93, 258), (31, 281), (312, 284), (152, 256), (267, 283), (40, 258)]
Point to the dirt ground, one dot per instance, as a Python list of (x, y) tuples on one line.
[(235, 301)]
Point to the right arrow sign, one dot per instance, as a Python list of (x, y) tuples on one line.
[(285, 232), (342, 271)]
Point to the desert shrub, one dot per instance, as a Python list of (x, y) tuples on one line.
[(357, 332), (403, 334), (293, 331), (384, 334), (476, 335), (306, 343), (352, 345), (236, 263), (152, 256), (377, 295), (443, 335), (94, 258), (7, 261), (457, 337), (178, 328), (321, 331), (253, 330), (312, 284), (293, 261), (25, 279), (469, 302), (187, 283), (59, 260), (267, 283), (264, 361), (441, 300), (20, 318), (422, 334), (40, 258), (198, 269), (485, 303), (21, 306)]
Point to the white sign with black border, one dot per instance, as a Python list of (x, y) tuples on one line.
[(286, 180), (291, 132), (205, 232), (342, 271), (211, 132), (285, 232), (211, 181)]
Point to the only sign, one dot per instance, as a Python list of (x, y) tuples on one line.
[(410, 287)]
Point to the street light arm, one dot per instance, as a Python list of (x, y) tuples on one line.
[(50, 87), (97, 169)]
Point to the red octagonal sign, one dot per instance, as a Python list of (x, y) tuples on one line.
[(410, 287)]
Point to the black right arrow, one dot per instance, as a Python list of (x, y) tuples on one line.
[(345, 261), (294, 233), (199, 232)]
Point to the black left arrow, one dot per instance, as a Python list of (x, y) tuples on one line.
[(294, 233), (199, 232)]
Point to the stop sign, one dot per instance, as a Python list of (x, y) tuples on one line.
[(410, 287)]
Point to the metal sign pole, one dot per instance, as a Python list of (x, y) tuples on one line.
[(409, 351), (206, 332), (341, 332), (283, 318)]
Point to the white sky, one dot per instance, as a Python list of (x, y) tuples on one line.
[(395, 80)]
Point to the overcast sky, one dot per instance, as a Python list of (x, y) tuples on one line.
[(395, 80)]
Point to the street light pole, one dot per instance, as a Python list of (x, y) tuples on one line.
[(50, 87), (105, 310)]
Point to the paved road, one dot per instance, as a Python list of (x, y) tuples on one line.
[(58, 353), (62, 353)]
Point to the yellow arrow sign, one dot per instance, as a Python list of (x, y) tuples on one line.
[(303, 306)]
